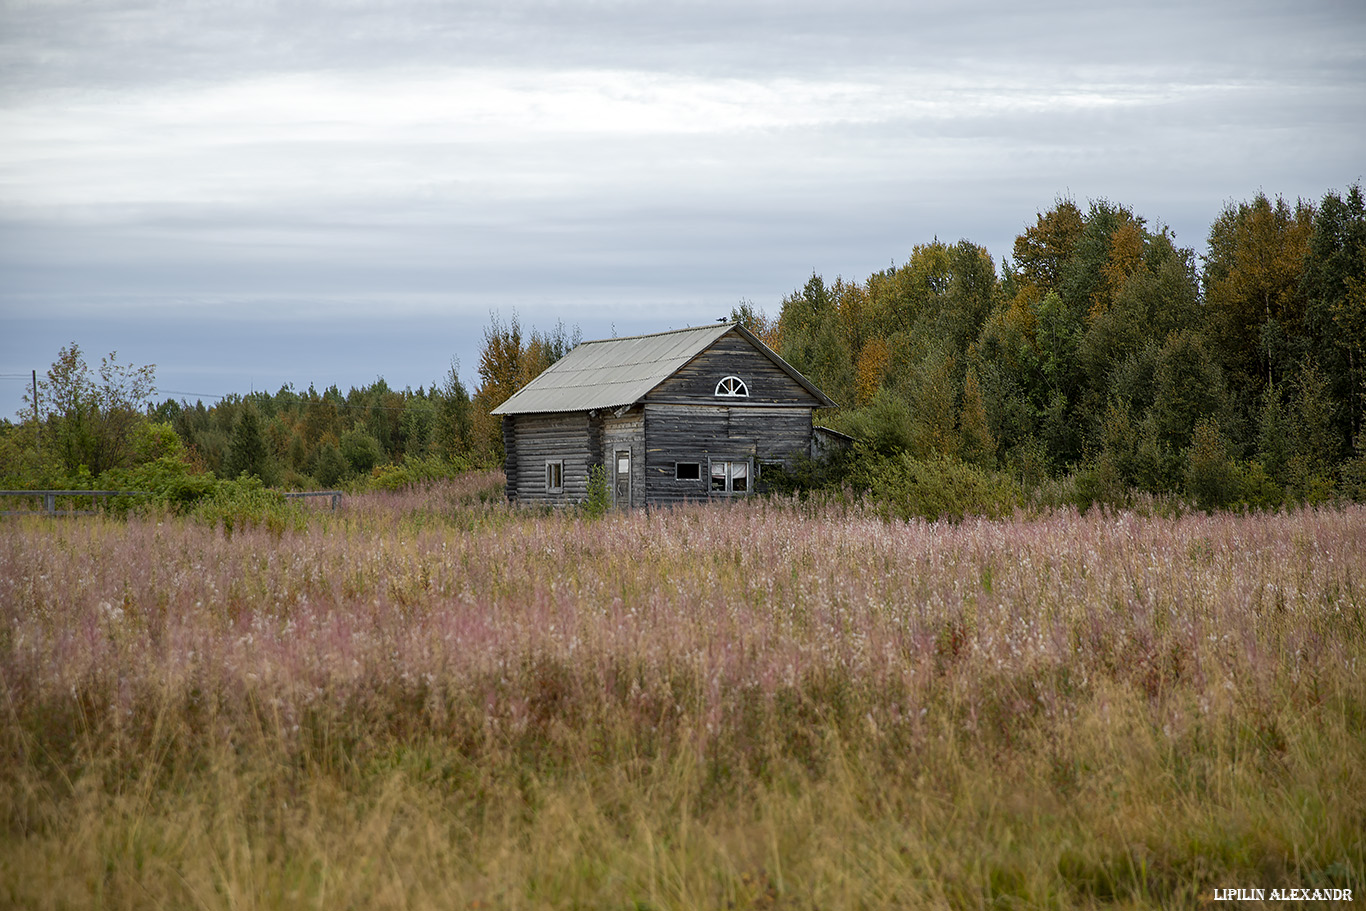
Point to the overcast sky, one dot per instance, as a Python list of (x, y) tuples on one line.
[(259, 193)]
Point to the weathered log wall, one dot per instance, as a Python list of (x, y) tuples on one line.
[(700, 433), (532, 440), (732, 355)]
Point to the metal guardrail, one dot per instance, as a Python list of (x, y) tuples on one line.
[(336, 495), (50, 499)]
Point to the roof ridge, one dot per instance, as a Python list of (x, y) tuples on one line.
[(584, 380), (627, 338)]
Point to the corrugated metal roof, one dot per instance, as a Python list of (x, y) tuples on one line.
[(612, 372)]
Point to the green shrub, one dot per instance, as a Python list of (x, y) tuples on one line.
[(416, 470), (1353, 473), (902, 487), (24, 463), (390, 477), (1101, 483), (1306, 483), (1211, 480), (153, 441), (170, 480), (290, 479), (886, 424), (1257, 489), (361, 451), (805, 474), (246, 501), (599, 499)]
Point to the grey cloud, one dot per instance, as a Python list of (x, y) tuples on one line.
[(120, 41), (405, 240)]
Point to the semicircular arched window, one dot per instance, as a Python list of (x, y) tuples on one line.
[(732, 387)]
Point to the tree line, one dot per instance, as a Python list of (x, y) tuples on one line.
[(1105, 353), (1101, 354), (90, 428)]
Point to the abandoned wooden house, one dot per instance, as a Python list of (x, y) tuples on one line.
[(671, 417)]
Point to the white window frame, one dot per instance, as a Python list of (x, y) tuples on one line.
[(729, 476), (732, 387), (554, 471)]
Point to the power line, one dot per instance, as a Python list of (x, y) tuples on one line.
[(340, 404), (198, 395)]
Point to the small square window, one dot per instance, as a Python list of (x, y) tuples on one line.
[(554, 477), (687, 471)]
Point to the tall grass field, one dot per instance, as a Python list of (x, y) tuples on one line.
[(430, 699)]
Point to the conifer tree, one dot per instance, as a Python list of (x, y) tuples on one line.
[(247, 451)]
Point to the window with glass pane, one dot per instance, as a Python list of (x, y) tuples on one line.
[(730, 476)]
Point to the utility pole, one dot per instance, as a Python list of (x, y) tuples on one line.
[(37, 427)]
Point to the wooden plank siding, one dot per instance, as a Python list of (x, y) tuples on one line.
[(697, 433), (732, 355), (626, 432), (538, 438), (510, 456)]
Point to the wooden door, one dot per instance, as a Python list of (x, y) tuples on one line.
[(621, 489)]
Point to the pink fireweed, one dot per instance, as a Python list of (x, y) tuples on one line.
[(749, 599)]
